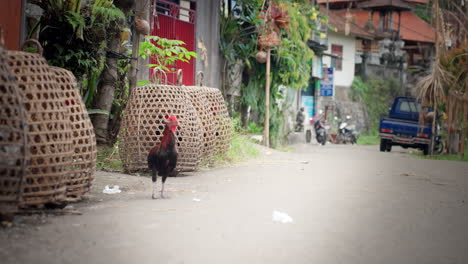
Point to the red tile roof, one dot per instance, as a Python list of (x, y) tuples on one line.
[(412, 27), (338, 20)]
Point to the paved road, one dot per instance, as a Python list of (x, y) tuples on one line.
[(349, 204)]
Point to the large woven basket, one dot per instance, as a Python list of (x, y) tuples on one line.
[(49, 129), (222, 121), (81, 174), (200, 102), (14, 153), (142, 126)]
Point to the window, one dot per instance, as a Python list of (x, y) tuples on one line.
[(410, 107), (337, 62)]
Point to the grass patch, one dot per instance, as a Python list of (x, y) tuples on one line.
[(242, 148), (442, 157), (368, 140), (108, 159)]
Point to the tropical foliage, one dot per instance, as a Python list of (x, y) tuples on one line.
[(376, 96), (87, 38), (164, 52), (74, 36), (291, 58)]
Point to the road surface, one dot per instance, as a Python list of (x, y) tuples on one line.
[(349, 204)]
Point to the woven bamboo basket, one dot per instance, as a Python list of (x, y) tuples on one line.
[(14, 152), (81, 174), (49, 129), (222, 121), (199, 100), (142, 126)]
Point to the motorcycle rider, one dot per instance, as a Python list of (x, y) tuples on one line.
[(300, 120)]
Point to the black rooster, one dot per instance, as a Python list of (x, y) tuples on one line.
[(162, 158)]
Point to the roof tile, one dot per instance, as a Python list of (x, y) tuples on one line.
[(412, 28)]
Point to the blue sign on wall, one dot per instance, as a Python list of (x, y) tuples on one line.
[(308, 104), (327, 84)]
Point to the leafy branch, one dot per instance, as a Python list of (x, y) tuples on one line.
[(165, 52)]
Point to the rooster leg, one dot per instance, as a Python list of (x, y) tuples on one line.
[(154, 177), (162, 188)]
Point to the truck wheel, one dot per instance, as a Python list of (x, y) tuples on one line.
[(389, 147), (383, 145), (308, 136), (426, 149)]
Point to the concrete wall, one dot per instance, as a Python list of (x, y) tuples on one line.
[(207, 42), (344, 77)]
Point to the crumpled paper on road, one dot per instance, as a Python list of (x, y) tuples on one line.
[(281, 217), (113, 190)]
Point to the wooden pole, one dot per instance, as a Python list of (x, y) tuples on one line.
[(431, 150), (266, 130), (142, 11), (132, 79)]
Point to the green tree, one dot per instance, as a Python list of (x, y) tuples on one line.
[(290, 59)]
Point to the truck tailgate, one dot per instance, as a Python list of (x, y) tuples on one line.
[(406, 128)]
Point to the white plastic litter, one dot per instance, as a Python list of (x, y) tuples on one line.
[(258, 138), (113, 190), (196, 200), (281, 217)]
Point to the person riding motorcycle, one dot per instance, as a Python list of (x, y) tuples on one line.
[(300, 120)]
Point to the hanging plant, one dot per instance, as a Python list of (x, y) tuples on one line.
[(261, 56), (277, 15), (268, 39)]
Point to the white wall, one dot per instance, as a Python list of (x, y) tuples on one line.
[(344, 77)]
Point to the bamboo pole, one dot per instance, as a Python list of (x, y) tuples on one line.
[(266, 129)]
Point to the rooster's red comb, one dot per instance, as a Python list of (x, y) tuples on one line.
[(172, 118)]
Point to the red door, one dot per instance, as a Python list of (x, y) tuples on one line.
[(175, 22), (10, 21)]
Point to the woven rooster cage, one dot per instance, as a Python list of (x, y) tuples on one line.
[(81, 174), (49, 134), (143, 125), (222, 121), (14, 152), (200, 102)]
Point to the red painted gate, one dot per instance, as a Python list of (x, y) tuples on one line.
[(172, 21)]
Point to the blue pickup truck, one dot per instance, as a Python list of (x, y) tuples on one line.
[(401, 127)]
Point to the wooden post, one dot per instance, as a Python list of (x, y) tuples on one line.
[(431, 150), (132, 79), (266, 130), (142, 11)]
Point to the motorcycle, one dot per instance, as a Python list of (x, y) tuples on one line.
[(347, 133), (320, 131)]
